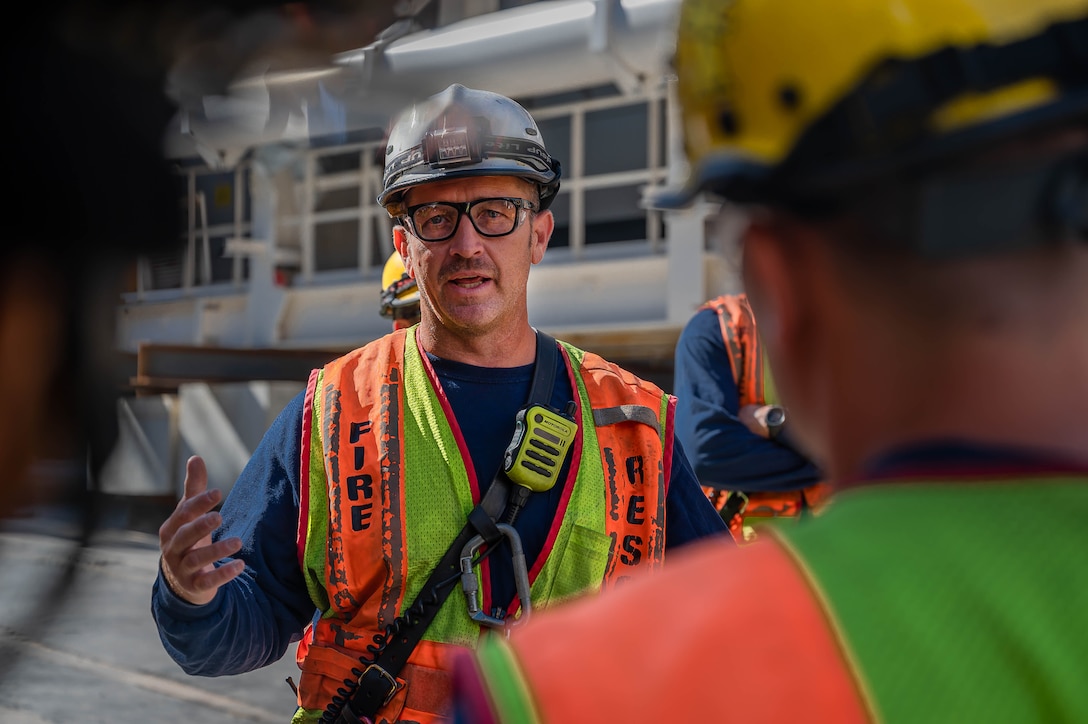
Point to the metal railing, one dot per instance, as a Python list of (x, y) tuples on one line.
[(334, 230)]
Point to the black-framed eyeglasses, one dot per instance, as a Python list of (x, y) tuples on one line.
[(438, 220)]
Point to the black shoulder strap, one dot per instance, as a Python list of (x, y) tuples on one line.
[(547, 354), (376, 683), (485, 515)]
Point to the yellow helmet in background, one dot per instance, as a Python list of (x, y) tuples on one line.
[(783, 98), (400, 295)]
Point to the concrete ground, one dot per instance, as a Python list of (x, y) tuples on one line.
[(88, 651)]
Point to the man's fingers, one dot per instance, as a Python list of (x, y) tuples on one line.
[(187, 511), (193, 576), (195, 502), (209, 581), (195, 560), (196, 532), (196, 477), (185, 539)]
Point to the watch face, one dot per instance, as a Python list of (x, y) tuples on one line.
[(776, 417)]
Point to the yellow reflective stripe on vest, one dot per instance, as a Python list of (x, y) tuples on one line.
[(439, 493)]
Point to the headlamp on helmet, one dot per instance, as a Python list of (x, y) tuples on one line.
[(451, 147)]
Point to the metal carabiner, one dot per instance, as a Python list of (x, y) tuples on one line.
[(470, 585)]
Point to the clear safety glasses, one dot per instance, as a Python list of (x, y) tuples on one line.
[(438, 220)]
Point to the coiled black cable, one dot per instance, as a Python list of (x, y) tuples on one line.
[(411, 617)]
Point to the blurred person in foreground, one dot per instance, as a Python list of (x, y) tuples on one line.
[(915, 177), (732, 425), (70, 244), (93, 90), (88, 110), (470, 448)]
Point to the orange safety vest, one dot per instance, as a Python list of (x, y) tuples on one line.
[(376, 518), (741, 339)]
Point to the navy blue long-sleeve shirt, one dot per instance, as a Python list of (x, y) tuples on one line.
[(254, 618), (722, 450)]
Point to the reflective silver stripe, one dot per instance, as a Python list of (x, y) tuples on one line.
[(626, 413)]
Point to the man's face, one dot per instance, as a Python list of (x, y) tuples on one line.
[(471, 284)]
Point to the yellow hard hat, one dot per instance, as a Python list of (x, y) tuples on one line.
[(399, 291), (780, 96)]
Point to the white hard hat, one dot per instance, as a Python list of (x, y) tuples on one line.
[(464, 132)]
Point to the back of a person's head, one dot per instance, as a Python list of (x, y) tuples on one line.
[(912, 183)]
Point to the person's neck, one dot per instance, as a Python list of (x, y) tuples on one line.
[(511, 347), (992, 393)]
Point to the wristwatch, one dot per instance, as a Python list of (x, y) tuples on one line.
[(774, 420)]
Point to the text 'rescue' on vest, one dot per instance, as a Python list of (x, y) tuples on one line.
[(375, 518)]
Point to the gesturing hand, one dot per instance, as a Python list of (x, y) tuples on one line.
[(185, 540)]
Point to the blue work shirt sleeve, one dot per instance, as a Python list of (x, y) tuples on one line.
[(689, 514), (256, 616), (723, 451)]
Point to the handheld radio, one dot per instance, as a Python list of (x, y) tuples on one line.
[(535, 456)]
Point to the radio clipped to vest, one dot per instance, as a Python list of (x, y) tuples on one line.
[(533, 461), (535, 456)]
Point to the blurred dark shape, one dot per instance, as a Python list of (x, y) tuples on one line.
[(87, 106), (91, 90), (91, 190)]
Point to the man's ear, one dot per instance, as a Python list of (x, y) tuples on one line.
[(400, 243), (543, 226)]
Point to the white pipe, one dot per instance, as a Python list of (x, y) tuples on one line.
[(538, 49)]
